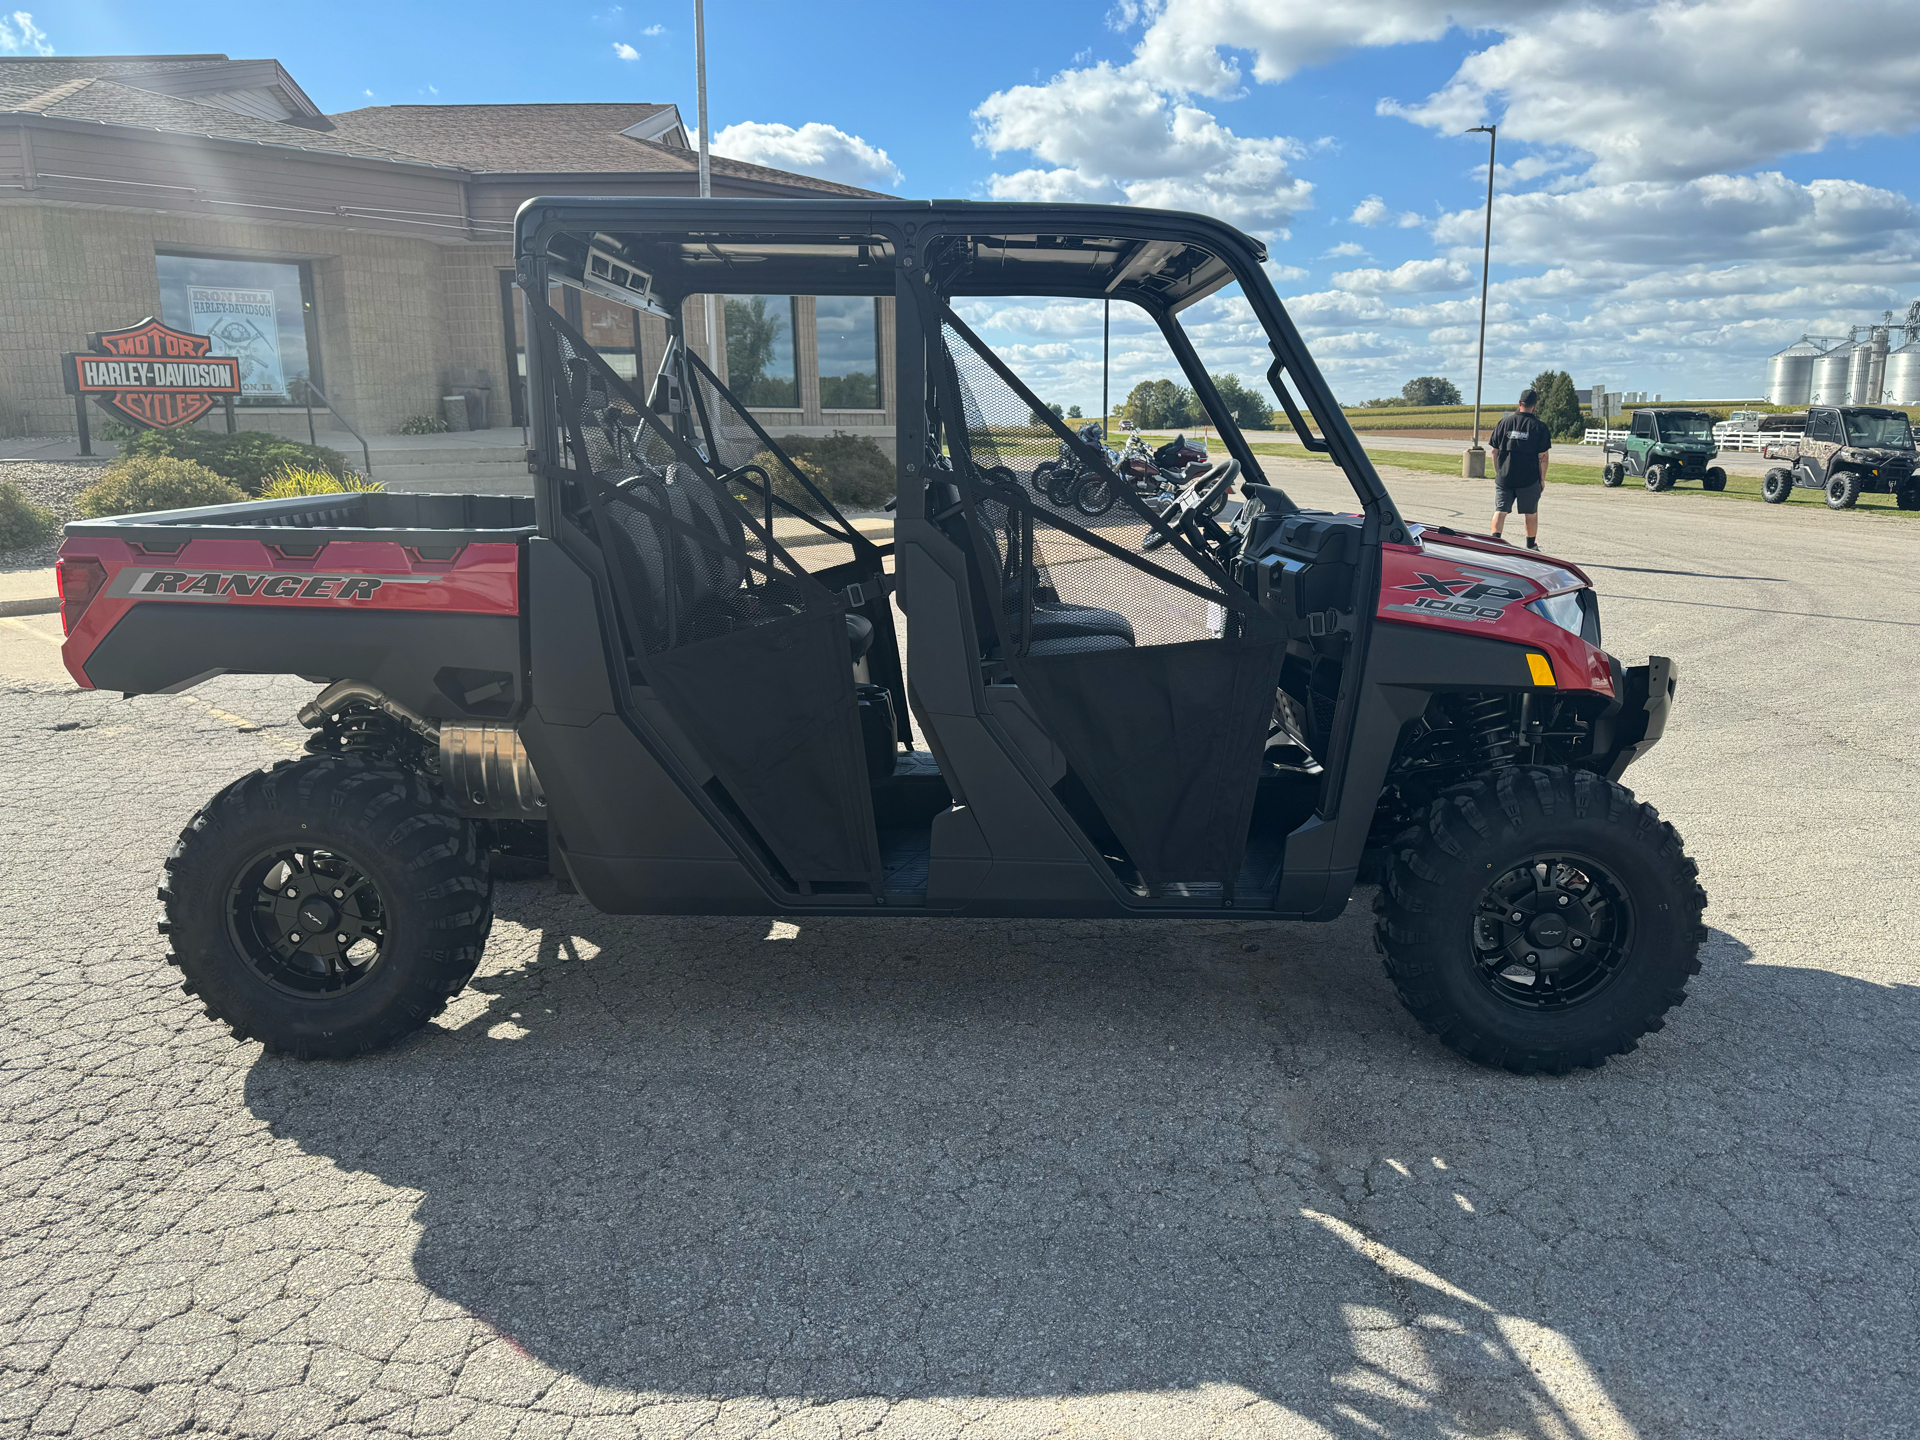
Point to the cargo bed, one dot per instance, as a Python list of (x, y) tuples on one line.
[(367, 586)]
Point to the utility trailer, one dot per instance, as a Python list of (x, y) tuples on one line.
[(634, 677)]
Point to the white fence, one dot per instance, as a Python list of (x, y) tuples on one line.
[(1724, 437)]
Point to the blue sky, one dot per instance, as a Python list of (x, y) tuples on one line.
[(1694, 183)]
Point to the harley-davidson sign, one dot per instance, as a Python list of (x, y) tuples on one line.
[(153, 375)]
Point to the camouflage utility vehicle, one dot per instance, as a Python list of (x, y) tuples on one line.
[(1848, 451)]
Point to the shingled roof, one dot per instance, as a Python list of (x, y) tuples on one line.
[(110, 102), (560, 139), (549, 140)]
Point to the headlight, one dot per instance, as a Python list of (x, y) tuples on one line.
[(1565, 610)]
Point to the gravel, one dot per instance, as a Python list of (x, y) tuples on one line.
[(55, 484)]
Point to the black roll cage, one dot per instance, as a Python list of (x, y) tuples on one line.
[(1162, 261)]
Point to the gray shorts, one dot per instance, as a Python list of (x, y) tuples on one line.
[(1524, 498)]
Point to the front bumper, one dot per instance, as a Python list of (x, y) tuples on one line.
[(1647, 694)]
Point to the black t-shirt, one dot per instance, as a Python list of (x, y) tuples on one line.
[(1518, 442)]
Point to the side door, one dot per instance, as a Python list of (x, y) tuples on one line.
[(1639, 443), (1818, 448)]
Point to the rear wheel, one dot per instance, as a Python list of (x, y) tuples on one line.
[(1844, 489), (1612, 475), (1540, 919), (326, 907), (1715, 479), (1043, 473), (1777, 485)]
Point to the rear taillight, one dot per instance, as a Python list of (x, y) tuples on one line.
[(81, 579)]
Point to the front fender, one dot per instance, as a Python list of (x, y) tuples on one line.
[(1647, 697)]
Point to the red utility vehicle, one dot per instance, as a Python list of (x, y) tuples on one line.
[(636, 677)]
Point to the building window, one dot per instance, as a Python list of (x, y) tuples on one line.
[(848, 327), (258, 311), (760, 350)]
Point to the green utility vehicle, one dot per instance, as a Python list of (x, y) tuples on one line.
[(1664, 446)]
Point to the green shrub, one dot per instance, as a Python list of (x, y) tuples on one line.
[(424, 425), (22, 523), (292, 480), (246, 458), (857, 473), (136, 484), (785, 486)]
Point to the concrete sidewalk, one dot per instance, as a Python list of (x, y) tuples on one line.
[(29, 592)]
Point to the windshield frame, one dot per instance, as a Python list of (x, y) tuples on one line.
[(1850, 421), (1669, 425)]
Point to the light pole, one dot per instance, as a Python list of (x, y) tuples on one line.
[(1105, 304), (1474, 463), (706, 175)]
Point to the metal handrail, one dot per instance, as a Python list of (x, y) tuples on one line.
[(309, 389)]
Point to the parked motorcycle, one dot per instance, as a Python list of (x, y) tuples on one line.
[(1158, 476), (1059, 478)]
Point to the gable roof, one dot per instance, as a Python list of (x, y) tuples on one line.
[(561, 139), (182, 75), (109, 102)]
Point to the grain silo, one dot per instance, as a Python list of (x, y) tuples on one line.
[(1901, 382), (1830, 385), (1791, 373), (1865, 367)]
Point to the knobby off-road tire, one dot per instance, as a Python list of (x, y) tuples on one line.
[(1612, 475), (326, 907), (1658, 478), (1632, 900), (1715, 479), (1907, 497), (1777, 485), (1843, 490)]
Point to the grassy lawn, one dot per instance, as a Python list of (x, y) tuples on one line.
[(1740, 487)]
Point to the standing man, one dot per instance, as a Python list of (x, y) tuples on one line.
[(1520, 444)]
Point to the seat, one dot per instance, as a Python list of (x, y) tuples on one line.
[(860, 634)]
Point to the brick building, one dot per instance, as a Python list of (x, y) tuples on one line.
[(368, 252)]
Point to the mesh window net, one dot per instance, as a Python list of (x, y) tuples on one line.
[(748, 652), (1154, 674)]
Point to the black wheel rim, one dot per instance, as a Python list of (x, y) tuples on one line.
[(308, 921), (1551, 932)]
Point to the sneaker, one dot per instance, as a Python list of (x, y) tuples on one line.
[(1501, 538), (1533, 544)]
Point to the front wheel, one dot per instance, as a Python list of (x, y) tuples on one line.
[(1061, 486), (1095, 497), (1907, 497), (1844, 489), (326, 907), (1777, 485), (1658, 478), (1715, 479), (1540, 918)]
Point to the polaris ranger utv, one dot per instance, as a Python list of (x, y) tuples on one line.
[(1664, 446), (1846, 452), (634, 674)]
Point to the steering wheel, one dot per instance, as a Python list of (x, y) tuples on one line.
[(1206, 493)]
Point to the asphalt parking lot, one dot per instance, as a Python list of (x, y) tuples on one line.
[(721, 1177)]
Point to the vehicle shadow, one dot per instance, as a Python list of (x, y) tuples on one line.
[(935, 1158)]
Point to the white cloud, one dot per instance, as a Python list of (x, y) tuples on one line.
[(1407, 278), (813, 149), (1113, 133), (1717, 218), (1346, 250), (653, 30), (1374, 211), (20, 36), (1676, 89), (625, 51)]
